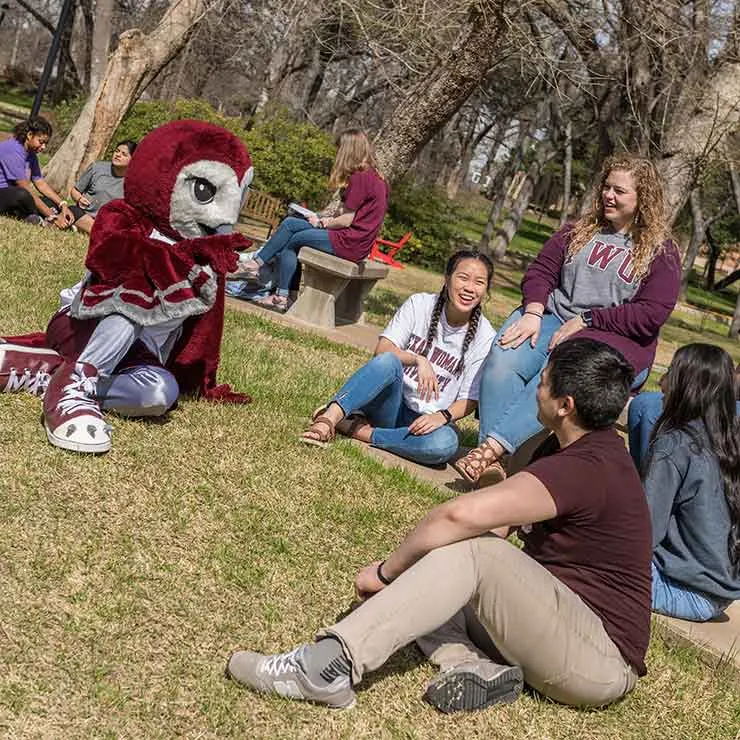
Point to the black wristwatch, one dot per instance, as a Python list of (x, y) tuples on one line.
[(588, 318), (447, 415)]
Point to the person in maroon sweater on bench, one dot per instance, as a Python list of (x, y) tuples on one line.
[(349, 234), (612, 276)]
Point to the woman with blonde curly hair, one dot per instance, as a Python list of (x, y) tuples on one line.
[(350, 234), (612, 276)]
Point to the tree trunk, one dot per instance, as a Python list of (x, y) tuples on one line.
[(299, 22), (734, 332), (734, 179), (88, 30), (715, 250), (727, 281), (500, 186), (64, 55), (697, 239), (460, 170), (567, 172), (700, 125), (497, 206), (134, 64), (435, 98), (100, 41), (516, 213)]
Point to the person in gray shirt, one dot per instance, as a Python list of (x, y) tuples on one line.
[(100, 183), (692, 482)]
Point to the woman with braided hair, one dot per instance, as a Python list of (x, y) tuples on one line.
[(612, 276), (425, 373)]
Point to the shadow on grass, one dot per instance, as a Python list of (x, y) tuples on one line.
[(404, 660), (535, 233), (707, 328), (383, 303)]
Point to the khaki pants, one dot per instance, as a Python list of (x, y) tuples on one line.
[(533, 620)]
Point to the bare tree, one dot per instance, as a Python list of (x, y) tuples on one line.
[(100, 41), (544, 151), (438, 94), (734, 332), (567, 172), (136, 61)]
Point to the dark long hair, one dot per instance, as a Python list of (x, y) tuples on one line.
[(33, 125), (452, 263), (700, 385)]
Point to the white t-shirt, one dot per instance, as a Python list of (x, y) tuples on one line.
[(408, 330)]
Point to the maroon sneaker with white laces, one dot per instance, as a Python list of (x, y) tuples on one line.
[(26, 368), (72, 415)]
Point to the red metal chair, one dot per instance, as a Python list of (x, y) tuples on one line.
[(393, 249)]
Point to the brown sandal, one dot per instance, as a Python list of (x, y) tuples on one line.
[(477, 462), (323, 428), (354, 422)]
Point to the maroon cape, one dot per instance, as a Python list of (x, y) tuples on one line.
[(150, 281)]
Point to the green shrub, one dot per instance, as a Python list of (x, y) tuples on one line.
[(433, 219), (145, 117), (292, 159), (62, 118)]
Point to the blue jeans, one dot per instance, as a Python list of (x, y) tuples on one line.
[(676, 600), (289, 237), (376, 389), (508, 390), (641, 417)]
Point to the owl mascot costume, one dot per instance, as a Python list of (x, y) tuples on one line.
[(144, 325)]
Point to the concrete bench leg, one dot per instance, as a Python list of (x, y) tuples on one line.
[(351, 303), (317, 302)]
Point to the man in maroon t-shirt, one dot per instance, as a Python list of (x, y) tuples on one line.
[(569, 614)]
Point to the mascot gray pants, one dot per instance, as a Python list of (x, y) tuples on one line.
[(128, 387)]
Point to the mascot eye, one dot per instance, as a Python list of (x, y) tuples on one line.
[(203, 191)]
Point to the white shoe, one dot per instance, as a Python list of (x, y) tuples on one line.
[(72, 416)]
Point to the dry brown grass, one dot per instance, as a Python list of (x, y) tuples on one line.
[(125, 580)]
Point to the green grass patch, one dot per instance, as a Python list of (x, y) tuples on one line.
[(720, 302), (531, 236), (15, 97), (129, 578)]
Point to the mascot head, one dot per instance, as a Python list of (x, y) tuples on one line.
[(189, 178)]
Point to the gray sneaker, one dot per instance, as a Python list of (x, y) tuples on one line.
[(285, 674), (475, 685)]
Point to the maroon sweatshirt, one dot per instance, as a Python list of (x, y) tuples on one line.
[(627, 313)]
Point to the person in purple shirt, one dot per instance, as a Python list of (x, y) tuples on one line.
[(612, 276), (349, 235), (23, 191)]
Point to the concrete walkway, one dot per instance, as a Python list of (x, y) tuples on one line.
[(364, 336), (718, 642)]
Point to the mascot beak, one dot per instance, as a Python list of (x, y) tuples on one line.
[(222, 229)]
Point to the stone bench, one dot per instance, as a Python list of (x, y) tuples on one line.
[(334, 290)]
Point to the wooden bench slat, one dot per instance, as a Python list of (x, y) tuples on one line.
[(260, 215)]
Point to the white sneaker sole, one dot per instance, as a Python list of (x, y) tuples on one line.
[(77, 445), (9, 346)]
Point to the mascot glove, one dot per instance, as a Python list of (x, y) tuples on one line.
[(218, 251), (223, 394)]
